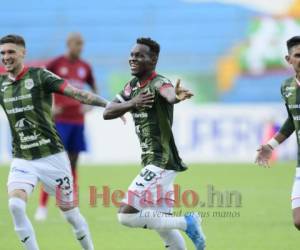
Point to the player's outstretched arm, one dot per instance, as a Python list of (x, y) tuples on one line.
[(84, 97), (264, 152), (177, 94), (116, 109)]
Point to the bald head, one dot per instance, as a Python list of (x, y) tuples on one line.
[(75, 45)]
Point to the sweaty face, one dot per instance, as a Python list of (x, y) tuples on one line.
[(12, 56), (75, 45), (294, 58), (140, 60)]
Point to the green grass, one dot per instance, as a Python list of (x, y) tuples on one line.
[(264, 220)]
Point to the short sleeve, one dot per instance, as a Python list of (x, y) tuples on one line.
[(288, 127), (163, 83), (282, 92), (51, 82)]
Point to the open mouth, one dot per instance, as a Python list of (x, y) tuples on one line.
[(134, 66), (8, 64)]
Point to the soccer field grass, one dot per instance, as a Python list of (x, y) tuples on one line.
[(263, 222)]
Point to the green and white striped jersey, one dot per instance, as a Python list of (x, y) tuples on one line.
[(154, 125), (27, 102)]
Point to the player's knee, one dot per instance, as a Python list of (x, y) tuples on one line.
[(16, 206), (128, 220)]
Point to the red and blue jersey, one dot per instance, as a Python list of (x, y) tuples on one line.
[(78, 73)]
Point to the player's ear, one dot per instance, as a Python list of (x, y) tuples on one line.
[(287, 58), (23, 52), (154, 59)]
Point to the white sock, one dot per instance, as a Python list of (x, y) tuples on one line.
[(152, 219), (23, 226), (173, 239), (80, 228)]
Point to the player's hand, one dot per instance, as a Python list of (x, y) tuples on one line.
[(143, 100), (182, 93), (264, 153)]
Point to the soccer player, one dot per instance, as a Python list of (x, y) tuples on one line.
[(38, 153), (69, 113), (150, 98), (290, 94)]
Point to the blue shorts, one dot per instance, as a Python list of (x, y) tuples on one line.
[(72, 136)]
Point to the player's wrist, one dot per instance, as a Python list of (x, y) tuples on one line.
[(273, 143), (132, 104)]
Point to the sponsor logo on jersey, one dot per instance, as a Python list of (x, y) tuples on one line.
[(148, 152), (24, 124), (29, 84), (19, 110), (296, 117), (290, 88), (287, 95), (294, 106), (29, 138), (17, 98), (35, 144), (140, 115)]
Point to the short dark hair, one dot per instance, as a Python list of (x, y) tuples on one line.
[(15, 39), (153, 45), (295, 40)]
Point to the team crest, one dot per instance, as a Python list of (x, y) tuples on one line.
[(29, 84)]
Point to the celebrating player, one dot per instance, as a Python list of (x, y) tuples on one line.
[(69, 113), (38, 153), (290, 94), (150, 98)]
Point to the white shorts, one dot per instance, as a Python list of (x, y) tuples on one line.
[(153, 187), (53, 171), (296, 190)]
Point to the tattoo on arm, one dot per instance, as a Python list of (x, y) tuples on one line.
[(84, 96)]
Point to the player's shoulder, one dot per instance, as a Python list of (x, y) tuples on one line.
[(84, 63), (53, 62), (160, 80), (288, 82), (57, 59), (37, 70)]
